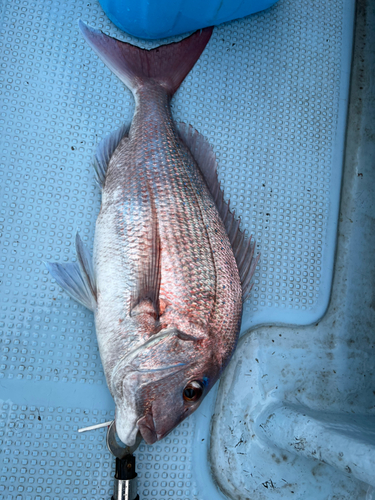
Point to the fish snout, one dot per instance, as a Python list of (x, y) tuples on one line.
[(126, 425)]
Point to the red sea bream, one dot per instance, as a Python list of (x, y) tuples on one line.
[(171, 268)]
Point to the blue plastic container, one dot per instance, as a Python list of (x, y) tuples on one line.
[(155, 19)]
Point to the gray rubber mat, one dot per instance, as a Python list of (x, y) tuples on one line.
[(270, 94)]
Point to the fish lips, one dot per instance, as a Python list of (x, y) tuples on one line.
[(146, 427), (126, 424)]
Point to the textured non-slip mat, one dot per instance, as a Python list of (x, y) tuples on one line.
[(270, 94)]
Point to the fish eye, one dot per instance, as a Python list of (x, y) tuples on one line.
[(193, 391)]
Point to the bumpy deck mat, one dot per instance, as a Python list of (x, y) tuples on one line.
[(270, 94)]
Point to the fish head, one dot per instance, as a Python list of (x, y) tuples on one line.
[(163, 383)]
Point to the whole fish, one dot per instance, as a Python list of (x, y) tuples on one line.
[(171, 267)]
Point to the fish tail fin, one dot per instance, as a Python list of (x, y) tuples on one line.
[(168, 64)]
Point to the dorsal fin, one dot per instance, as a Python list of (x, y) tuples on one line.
[(105, 150), (243, 250)]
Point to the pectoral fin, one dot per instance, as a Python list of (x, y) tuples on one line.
[(145, 296), (77, 278)]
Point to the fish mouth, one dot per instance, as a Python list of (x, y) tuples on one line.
[(126, 424), (146, 426), (117, 447), (147, 429)]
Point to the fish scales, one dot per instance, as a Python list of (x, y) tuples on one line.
[(164, 285), (189, 224)]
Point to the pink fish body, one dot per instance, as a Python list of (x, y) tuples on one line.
[(171, 267)]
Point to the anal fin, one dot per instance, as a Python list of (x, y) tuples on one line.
[(243, 248)]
